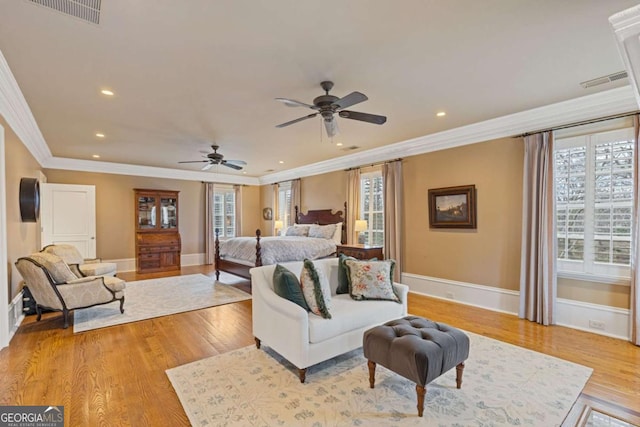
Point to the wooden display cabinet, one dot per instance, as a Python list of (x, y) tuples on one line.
[(158, 243)]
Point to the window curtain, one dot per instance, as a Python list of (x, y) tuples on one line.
[(209, 241), (275, 209), (295, 201), (538, 281), (634, 294), (392, 196), (237, 189), (353, 204)]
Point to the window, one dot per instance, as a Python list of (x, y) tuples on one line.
[(594, 194), (224, 210), (284, 205), (372, 208)]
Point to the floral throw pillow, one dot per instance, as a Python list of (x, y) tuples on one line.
[(316, 289), (371, 280)]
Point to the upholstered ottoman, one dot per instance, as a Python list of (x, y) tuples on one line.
[(418, 349)]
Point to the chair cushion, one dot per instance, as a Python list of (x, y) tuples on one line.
[(99, 269), (59, 270), (287, 285), (349, 315), (316, 289)]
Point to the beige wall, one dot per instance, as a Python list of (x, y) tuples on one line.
[(488, 255), (324, 191), (22, 237), (251, 210), (595, 293), (115, 209)]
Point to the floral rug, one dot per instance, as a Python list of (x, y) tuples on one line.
[(146, 299), (502, 385)]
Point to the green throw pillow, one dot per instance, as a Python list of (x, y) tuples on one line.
[(287, 285), (343, 274)]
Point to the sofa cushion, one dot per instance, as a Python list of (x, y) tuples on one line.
[(316, 289), (349, 315), (371, 280), (287, 285)]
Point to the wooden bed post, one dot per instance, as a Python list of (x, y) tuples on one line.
[(216, 258), (296, 219), (258, 249)]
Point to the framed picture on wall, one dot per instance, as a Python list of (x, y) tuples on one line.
[(452, 207)]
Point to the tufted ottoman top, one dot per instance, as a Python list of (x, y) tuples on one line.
[(416, 348)]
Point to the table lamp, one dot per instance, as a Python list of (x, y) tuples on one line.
[(278, 225), (361, 225)]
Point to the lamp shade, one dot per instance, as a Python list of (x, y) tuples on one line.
[(277, 224), (361, 225)]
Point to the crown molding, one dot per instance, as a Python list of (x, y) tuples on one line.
[(149, 171), (602, 104), (626, 28), (16, 112)]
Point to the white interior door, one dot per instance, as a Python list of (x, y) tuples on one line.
[(68, 215)]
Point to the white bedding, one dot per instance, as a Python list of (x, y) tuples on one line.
[(276, 249)]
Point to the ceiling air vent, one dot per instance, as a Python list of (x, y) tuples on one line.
[(605, 79), (87, 10)]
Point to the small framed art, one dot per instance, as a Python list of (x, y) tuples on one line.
[(452, 207)]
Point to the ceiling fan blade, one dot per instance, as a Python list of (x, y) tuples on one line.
[(231, 165), (332, 127), (363, 117), (293, 103), (352, 99), (195, 161), (207, 167), (296, 120), (236, 162)]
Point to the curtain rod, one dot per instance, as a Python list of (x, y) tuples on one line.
[(399, 159), (584, 122)]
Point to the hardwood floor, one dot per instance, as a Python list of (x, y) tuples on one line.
[(115, 376)]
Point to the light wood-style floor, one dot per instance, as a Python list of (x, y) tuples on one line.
[(116, 376)]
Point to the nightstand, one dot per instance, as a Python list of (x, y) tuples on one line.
[(360, 251)]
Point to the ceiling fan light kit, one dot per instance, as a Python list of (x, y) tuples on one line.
[(327, 105)]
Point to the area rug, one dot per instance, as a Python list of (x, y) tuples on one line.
[(503, 385), (146, 299)]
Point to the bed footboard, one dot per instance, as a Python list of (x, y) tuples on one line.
[(235, 268)]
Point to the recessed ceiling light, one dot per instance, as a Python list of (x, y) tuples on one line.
[(441, 114), (100, 135), (106, 92), (96, 156), (339, 144), (281, 161), (244, 172)]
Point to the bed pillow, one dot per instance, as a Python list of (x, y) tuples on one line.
[(297, 230), (316, 289), (371, 280), (337, 235), (287, 285), (343, 273), (322, 231)]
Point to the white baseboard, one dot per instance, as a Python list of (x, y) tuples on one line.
[(496, 299), (16, 316), (129, 264), (595, 318)]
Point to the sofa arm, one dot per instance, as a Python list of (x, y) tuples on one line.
[(402, 291), (271, 301)]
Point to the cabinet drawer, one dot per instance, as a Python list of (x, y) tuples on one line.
[(148, 264), (354, 253), (150, 256)]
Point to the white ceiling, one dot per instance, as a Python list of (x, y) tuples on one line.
[(190, 73)]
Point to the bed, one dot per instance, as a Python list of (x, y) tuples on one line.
[(239, 254)]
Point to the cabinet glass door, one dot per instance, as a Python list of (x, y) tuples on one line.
[(146, 212), (168, 213)]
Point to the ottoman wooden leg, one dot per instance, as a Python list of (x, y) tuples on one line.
[(372, 373), (420, 391), (459, 369)]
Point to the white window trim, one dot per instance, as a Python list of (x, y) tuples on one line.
[(218, 189), (371, 175)]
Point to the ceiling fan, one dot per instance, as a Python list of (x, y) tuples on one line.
[(216, 158), (327, 105)]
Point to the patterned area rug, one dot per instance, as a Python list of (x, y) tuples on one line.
[(502, 385), (145, 299)]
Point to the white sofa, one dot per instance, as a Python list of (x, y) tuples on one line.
[(304, 338)]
